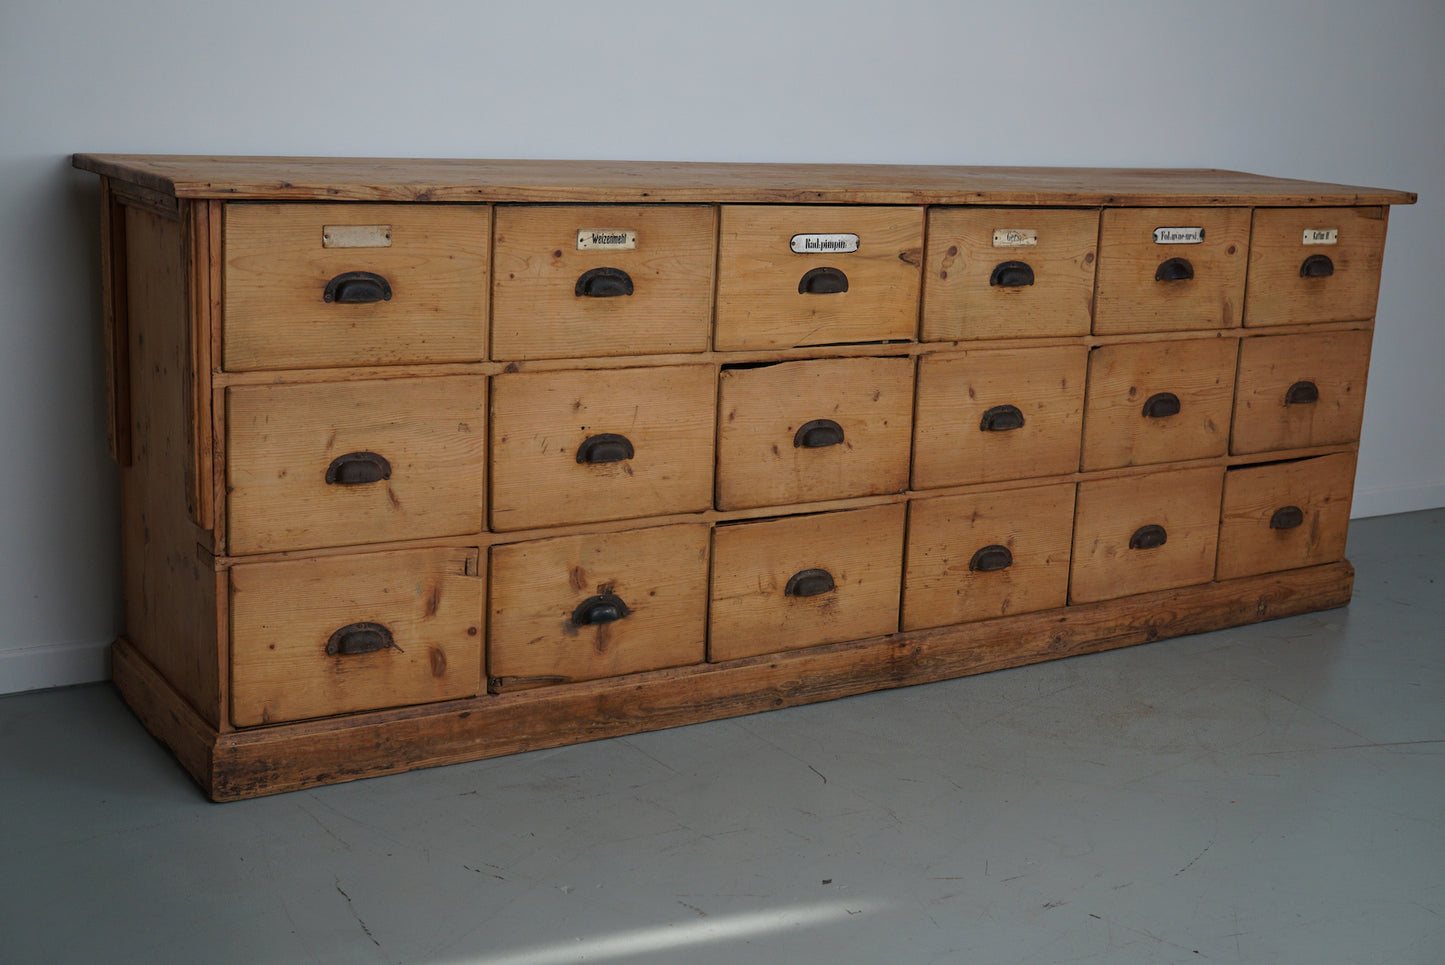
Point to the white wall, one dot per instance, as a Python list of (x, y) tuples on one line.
[(1324, 89)]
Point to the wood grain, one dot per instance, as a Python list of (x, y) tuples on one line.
[(284, 614), (959, 300), (1046, 385), (1320, 488), (759, 304), (537, 313), (659, 574), (626, 182), (760, 460), (277, 268)]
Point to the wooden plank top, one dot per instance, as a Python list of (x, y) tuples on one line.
[(456, 180)]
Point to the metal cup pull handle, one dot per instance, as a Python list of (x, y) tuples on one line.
[(357, 468), (356, 288), (1148, 537), (818, 434), (603, 608), (356, 638), (1174, 269), (1317, 266), (991, 558), (1286, 517), (605, 447), (1001, 418), (603, 283), (1161, 405), (1012, 274), (822, 281), (811, 582), (1304, 392)]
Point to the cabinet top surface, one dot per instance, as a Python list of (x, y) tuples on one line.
[(457, 180)]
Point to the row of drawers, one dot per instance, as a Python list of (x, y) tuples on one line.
[(332, 464), (318, 285), (348, 633)]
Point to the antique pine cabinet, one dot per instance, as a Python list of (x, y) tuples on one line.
[(429, 461)]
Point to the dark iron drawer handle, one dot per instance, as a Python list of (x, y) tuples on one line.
[(1286, 517), (991, 558), (818, 434), (1174, 269), (605, 447), (822, 281), (1161, 405), (603, 608), (1001, 418), (1317, 266), (1302, 393), (1148, 537), (812, 582), (359, 638), (1012, 274), (357, 287), (603, 283), (357, 468)]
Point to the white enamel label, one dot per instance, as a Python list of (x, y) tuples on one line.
[(356, 236), (1178, 236), (1322, 236), (609, 239), (823, 244), (1015, 237)]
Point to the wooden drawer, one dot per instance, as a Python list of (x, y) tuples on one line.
[(1285, 515), (994, 415), (344, 463), (1300, 390), (802, 581), (1009, 272), (597, 280), (987, 555), (1141, 533), (582, 607), (771, 296), (1146, 285), (585, 446), (1314, 265), (1158, 402), (797, 432), (290, 304), (311, 638)]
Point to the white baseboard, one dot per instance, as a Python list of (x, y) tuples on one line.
[(36, 668), (1385, 501)]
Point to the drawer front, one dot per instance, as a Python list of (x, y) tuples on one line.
[(1300, 390), (294, 298), (583, 607), (1146, 285), (987, 555), (602, 280), (1009, 272), (1314, 265), (989, 416), (1158, 402), (1285, 515), (800, 432), (357, 462), (575, 447), (311, 638), (785, 584), (1144, 533), (770, 296)]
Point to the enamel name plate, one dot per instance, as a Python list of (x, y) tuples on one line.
[(1015, 238), (821, 244), (1321, 236), (606, 239), (1179, 236), (356, 236)]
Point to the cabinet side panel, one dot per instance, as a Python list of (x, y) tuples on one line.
[(170, 581)]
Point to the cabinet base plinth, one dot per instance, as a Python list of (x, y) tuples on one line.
[(234, 765)]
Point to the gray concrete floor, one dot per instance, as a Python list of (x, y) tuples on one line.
[(1268, 794)]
